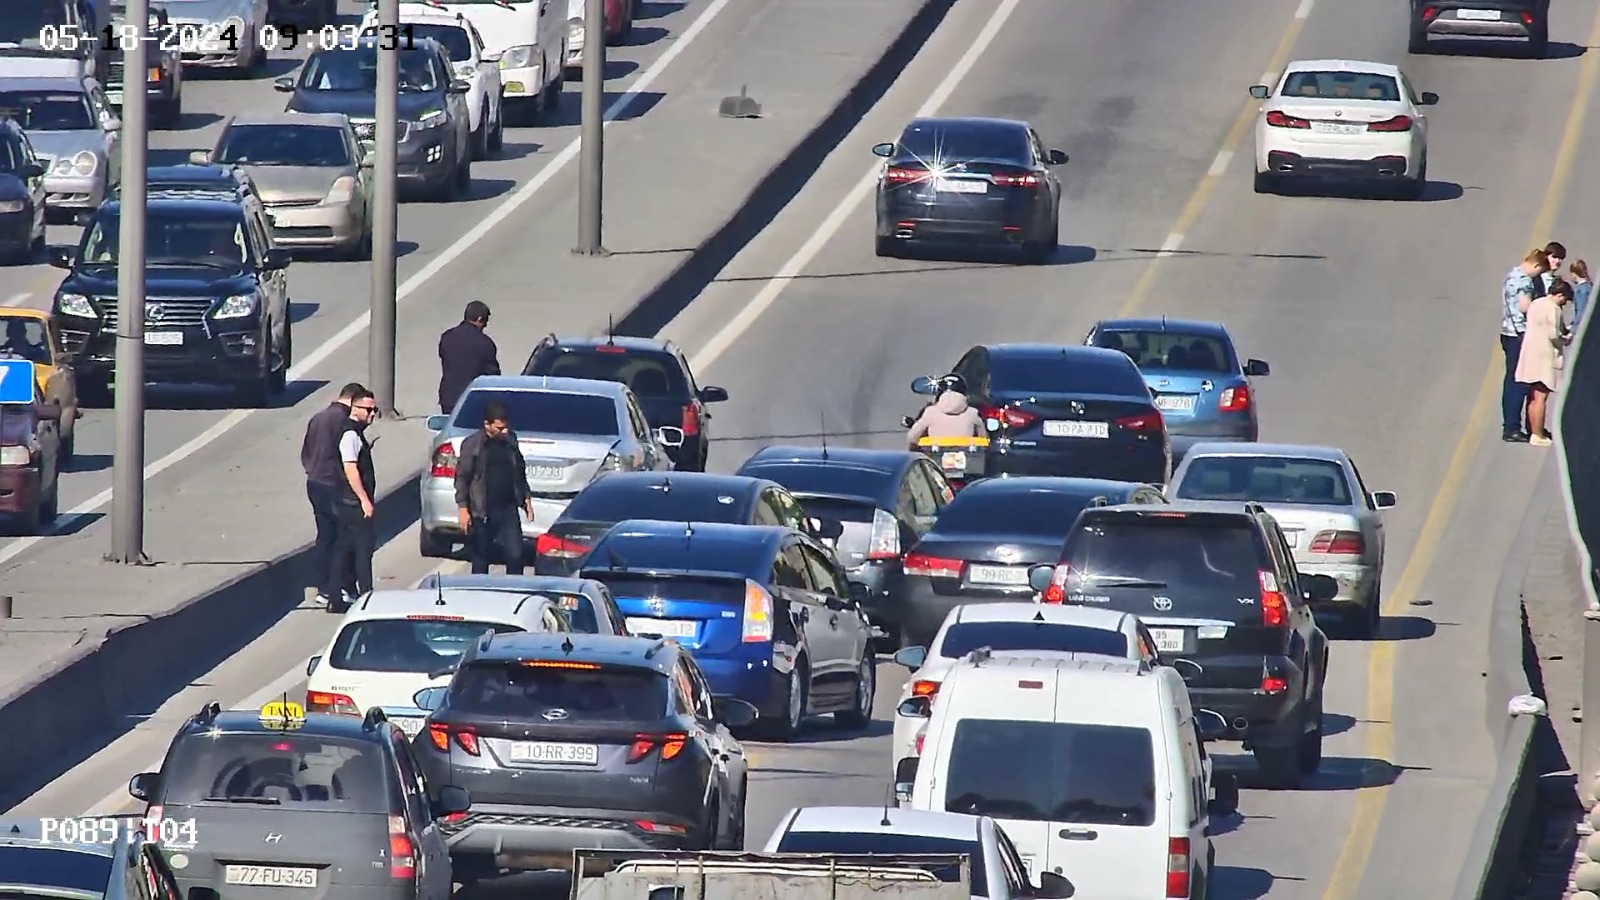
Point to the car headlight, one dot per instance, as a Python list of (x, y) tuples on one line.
[(16, 455), (12, 206), (343, 191), (433, 118), (81, 164), (518, 57), (75, 305), (236, 307)]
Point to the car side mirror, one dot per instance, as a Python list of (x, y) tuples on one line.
[(883, 150), (1429, 98), (907, 421), (429, 698), (1255, 368), (49, 411), (1260, 91), (915, 708), (1054, 887), (1056, 158), (1319, 588), (860, 593), (33, 170), (713, 395), (311, 665), (451, 801), (829, 529), (1187, 669), (733, 712), (63, 257), (670, 436), (1039, 577), (283, 85), (1385, 499), (1224, 794), (924, 385), (911, 657), (905, 778), (460, 87), (275, 259), (143, 786), (199, 157), (436, 424), (369, 159)]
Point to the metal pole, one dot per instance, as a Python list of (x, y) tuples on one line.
[(385, 214), (127, 468), (591, 161)]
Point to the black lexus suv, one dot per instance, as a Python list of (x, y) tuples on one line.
[(1216, 584), (216, 297)]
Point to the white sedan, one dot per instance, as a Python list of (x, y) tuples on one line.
[(1342, 119)]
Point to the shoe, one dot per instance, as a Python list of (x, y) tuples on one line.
[(1540, 440), (1515, 437)]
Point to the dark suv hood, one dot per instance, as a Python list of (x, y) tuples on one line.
[(163, 281), (363, 105)]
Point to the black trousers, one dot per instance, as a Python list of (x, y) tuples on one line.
[(1513, 395), (496, 537), (334, 572), (358, 538)]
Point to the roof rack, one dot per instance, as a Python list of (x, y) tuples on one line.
[(375, 717), (208, 713)]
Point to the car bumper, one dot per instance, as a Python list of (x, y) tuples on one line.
[(224, 56), (1286, 164), (316, 227), (19, 490), (1358, 585), (536, 837), (1147, 463), (1509, 25), (574, 58), (295, 12), (425, 157), (209, 354), (1182, 436), (74, 193), (927, 605), (16, 230), (885, 584), (441, 516), (755, 673), (204, 886), (521, 83)]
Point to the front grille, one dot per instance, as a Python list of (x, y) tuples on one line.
[(114, 72), (290, 204), (367, 130), (163, 312), (529, 821)]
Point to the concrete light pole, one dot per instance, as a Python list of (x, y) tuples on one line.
[(385, 213), (591, 159)]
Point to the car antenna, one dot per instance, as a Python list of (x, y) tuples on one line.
[(566, 643), (438, 590), (824, 417), (611, 331), (885, 823)]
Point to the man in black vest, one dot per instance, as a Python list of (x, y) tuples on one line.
[(465, 352), (319, 456), (358, 490), (491, 487)]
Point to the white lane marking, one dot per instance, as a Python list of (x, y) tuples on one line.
[(768, 295), (1171, 245), (1304, 10), (70, 517), (16, 300), (1220, 164)]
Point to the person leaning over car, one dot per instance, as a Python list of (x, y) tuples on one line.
[(491, 486)]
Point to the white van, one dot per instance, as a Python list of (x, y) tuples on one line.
[(1093, 766)]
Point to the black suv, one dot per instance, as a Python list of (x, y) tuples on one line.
[(22, 228), (1515, 19), (277, 798), (1216, 583), (162, 81), (654, 369), (216, 297), (583, 741)]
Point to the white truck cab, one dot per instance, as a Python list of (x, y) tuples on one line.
[(470, 60), (1093, 766)]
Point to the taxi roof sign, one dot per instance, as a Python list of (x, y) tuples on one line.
[(283, 714), (16, 381)]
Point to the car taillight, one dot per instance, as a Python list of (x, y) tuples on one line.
[(671, 745), (885, 541), (1273, 684), (1429, 13), (1150, 421), (1234, 399), (757, 626), (1004, 416), (1341, 542), (931, 566), (325, 702), (1527, 17), (154, 815), (1178, 867), (1274, 610), (924, 688), (402, 852), (560, 548), (691, 420), (440, 735), (1398, 123), (920, 738), (16, 455), (1280, 120), (444, 462), (1017, 179), (897, 175), (1056, 591)]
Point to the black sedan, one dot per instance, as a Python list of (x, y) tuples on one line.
[(1081, 412), (22, 197), (966, 182), (985, 540)]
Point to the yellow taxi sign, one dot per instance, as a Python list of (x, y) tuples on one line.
[(283, 714)]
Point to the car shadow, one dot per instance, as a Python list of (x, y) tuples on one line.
[(516, 150), (192, 121), (620, 68), (1501, 48), (819, 730), (1337, 773), (1432, 192), (1243, 882), (212, 398), (1390, 628), (89, 462), (65, 524), (648, 11), (1336, 723), (643, 36), (570, 111), (1063, 255), (301, 311)]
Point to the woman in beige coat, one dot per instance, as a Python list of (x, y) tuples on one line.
[(1539, 364)]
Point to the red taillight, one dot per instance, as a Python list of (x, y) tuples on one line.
[(1234, 399), (154, 815), (931, 566), (559, 548), (691, 420), (1150, 421), (1279, 120), (610, 348), (1056, 591), (1017, 179), (920, 739), (924, 688), (1272, 684), (1274, 610), (1398, 123), (671, 745), (402, 852), (1527, 17), (885, 540), (1010, 418), (1341, 542), (444, 462), (897, 175), (1429, 13), (338, 704), (440, 736), (1178, 867)]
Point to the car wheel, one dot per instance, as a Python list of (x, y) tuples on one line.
[(1539, 40), (463, 177), (1037, 253), (431, 546), (1266, 183), (497, 137), (1418, 43), (37, 247), (255, 393), (550, 98), (1371, 617), (480, 138), (94, 391), (1308, 750), (736, 840), (794, 708), (887, 247), (280, 374), (860, 715), (1279, 764)]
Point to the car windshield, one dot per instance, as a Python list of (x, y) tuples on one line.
[(1265, 479), (932, 144), (630, 499), (419, 645), (522, 690), (172, 237), (1053, 637), (544, 412), (650, 375), (1342, 86), (356, 69), (58, 868), (1076, 774), (317, 146), (452, 37), (47, 111), (854, 842), (276, 769), (1045, 514), (1166, 351), (1059, 375), (25, 338), (21, 21), (1196, 557)]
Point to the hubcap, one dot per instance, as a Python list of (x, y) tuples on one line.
[(795, 712), (864, 686)]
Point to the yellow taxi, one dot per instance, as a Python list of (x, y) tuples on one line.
[(31, 334)]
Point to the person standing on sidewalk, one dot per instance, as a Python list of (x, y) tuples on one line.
[(356, 505), (1522, 284), (491, 488), (1555, 253), (465, 352), (1582, 288), (319, 457)]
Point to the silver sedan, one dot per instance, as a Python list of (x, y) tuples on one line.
[(1328, 516)]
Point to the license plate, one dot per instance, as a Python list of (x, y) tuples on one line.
[(1168, 640), (960, 186), (164, 338), (954, 461), (672, 628), (1479, 15), (515, 87), (411, 725), (546, 473), (547, 752), (1337, 128), (1070, 429), (1175, 403), (997, 575), (270, 876)]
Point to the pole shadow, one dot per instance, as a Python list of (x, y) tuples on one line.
[(571, 111), (658, 10)]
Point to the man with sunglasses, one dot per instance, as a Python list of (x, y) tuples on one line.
[(465, 352), (358, 490), (319, 456)]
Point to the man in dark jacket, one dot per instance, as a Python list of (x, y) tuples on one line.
[(319, 456), (491, 487), (357, 502), (465, 352)]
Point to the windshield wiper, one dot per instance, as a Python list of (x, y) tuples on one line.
[(1119, 581), (202, 263), (254, 801)]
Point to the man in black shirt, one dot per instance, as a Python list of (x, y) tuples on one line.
[(491, 487), (319, 456), (465, 352), (358, 489)]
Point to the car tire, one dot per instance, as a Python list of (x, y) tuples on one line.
[(860, 715), (280, 375), (1037, 253), (462, 181), (736, 840), (171, 116), (431, 546), (797, 686), (50, 510), (31, 524), (1417, 45), (886, 247), (550, 97), (1366, 626), (480, 138), (255, 393), (1308, 749), (362, 250), (69, 444), (1266, 183), (1539, 40), (497, 137)]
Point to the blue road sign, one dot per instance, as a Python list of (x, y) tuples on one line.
[(16, 381)]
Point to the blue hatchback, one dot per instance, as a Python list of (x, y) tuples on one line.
[(766, 611), (1192, 369)]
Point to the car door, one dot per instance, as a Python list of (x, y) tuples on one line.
[(792, 577), (1371, 522), (434, 878), (1041, 161), (488, 72), (274, 282), (845, 637), (1414, 109), (35, 185), (974, 370), (364, 184), (694, 392), (606, 607)]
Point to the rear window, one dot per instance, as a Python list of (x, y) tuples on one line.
[(407, 645), (847, 480), (54, 867), (545, 412), (1045, 514), (613, 501), (931, 143), (629, 587), (665, 554), (272, 769), (889, 842), (1265, 479), (651, 375), (1201, 556), (1165, 351), (1063, 375), (856, 517), (1054, 772), (1036, 636), (523, 690), (1342, 86)]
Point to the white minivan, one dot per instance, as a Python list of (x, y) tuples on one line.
[(1093, 766)]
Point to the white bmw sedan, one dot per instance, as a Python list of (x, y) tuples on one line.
[(1342, 119)]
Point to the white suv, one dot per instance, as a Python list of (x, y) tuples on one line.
[(469, 62)]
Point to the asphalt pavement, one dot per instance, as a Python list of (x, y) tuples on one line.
[(1377, 316)]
